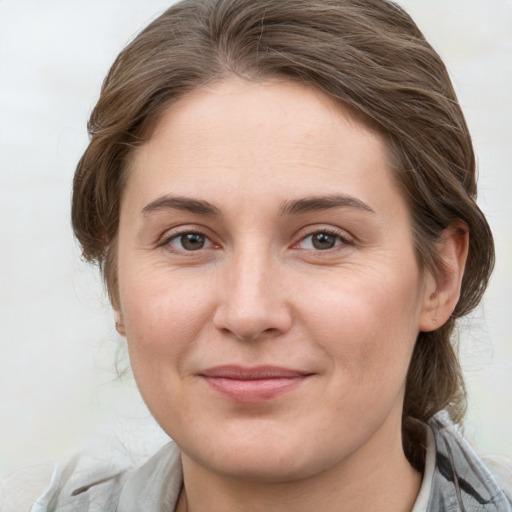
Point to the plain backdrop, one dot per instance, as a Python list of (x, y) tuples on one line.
[(59, 388)]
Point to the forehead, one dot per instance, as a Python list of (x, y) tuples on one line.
[(260, 110), (259, 139)]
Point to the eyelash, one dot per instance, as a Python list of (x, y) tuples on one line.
[(341, 239), (167, 241), (339, 236)]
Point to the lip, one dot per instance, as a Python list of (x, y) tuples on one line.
[(253, 385)]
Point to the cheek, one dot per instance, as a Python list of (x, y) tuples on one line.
[(367, 323), (164, 316)]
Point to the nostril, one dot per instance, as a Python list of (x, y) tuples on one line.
[(249, 331), (249, 308)]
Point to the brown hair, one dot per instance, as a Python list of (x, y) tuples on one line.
[(367, 54)]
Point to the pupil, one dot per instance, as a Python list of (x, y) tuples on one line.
[(192, 241), (323, 241)]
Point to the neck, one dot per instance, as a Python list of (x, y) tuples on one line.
[(378, 476)]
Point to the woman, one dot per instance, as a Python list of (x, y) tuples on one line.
[(281, 197)]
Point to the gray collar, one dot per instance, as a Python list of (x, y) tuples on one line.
[(461, 483)]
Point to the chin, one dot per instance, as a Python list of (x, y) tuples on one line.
[(264, 465), (269, 453)]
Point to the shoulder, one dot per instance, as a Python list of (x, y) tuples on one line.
[(501, 469), (62, 487), (464, 479), (100, 481), (19, 491)]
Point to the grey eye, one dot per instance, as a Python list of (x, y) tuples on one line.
[(189, 241), (323, 241)]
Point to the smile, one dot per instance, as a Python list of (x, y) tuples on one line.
[(253, 385)]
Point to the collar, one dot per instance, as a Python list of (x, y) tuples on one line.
[(461, 483)]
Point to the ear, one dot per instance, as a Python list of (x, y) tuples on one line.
[(118, 317), (442, 290)]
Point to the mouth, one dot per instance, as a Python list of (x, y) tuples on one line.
[(253, 385)]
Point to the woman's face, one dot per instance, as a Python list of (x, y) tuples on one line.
[(269, 291)]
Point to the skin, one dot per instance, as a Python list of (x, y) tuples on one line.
[(259, 292)]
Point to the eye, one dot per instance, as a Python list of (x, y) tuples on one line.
[(189, 242), (322, 241)]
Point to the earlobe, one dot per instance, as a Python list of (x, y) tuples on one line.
[(118, 318), (442, 290)]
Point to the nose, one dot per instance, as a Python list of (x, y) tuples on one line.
[(253, 303)]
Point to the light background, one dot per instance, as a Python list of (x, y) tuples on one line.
[(58, 385)]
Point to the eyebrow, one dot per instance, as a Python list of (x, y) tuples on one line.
[(187, 204), (292, 207), (317, 203)]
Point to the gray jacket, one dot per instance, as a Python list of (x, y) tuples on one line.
[(460, 483)]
